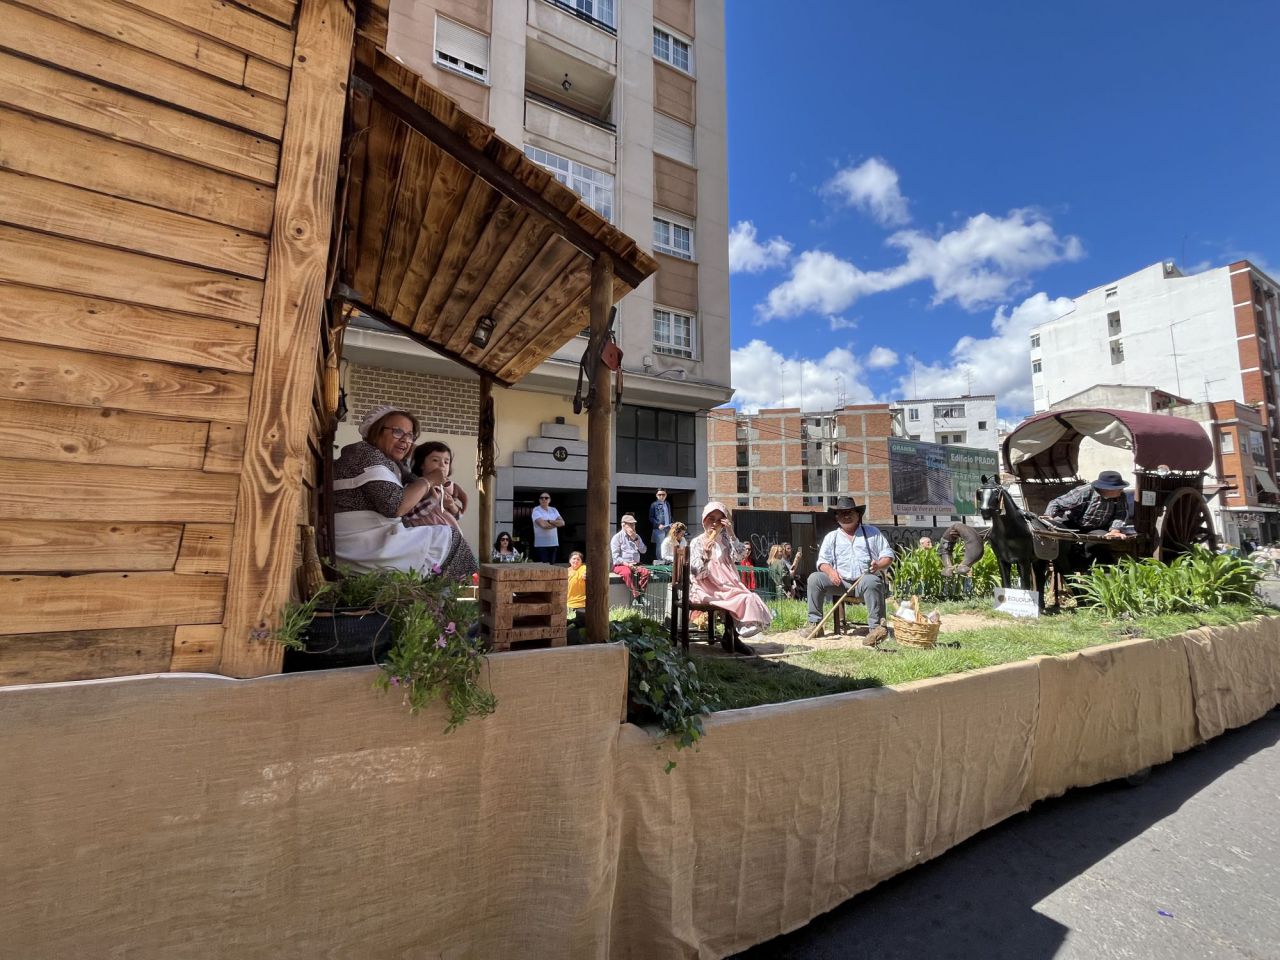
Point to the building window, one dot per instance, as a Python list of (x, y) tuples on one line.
[(673, 236), (669, 48), (1112, 293), (1228, 442), (742, 456), (462, 50), (673, 139), (1233, 486), (600, 11), (673, 333), (913, 414), (594, 186), (982, 424), (948, 411), (1035, 366), (1257, 449), (1035, 341), (744, 481), (951, 438), (1113, 323), (1117, 351), (744, 501), (656, 442), (914, 436)]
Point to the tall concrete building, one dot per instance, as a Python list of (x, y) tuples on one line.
[(968, 421), (787, 460), (624, 102), (1206, 337)]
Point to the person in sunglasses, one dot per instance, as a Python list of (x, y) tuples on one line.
[(373, 489)]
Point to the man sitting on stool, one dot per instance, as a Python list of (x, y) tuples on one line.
[(852, 554), (625, 549)]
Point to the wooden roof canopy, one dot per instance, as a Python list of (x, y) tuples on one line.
[(445, 223)]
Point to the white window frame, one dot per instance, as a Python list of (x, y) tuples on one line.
[(948, 411), (1035, 341), (675, 139), (1035, 366), (667, 44), (456, 62), (670, 233), (673, 345), (593, 185), (602, 11), (913, 414), (1228, 442)]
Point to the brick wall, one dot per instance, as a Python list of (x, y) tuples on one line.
[(442, 404)]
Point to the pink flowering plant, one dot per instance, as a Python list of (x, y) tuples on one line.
[(437, 653)]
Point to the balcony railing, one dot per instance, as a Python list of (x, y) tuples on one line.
[(585, 17), (570, 111)]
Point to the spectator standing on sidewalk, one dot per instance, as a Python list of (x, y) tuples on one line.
[(546, 529)]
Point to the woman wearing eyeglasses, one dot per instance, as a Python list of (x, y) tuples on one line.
[(503, 550), (373, 488)]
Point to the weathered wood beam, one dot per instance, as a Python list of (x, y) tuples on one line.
[(484, 469), (425, 123), (599, 458), (276, 453)]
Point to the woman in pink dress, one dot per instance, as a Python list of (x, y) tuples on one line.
[(714, 579)]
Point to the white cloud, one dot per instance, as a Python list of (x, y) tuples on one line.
[(840, 323), (998, 364), (872, 186), (976, 265), (882, 358), (763, 377), (747, 255)]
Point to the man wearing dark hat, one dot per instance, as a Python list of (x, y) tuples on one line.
[(852, 555), (1098, 507)]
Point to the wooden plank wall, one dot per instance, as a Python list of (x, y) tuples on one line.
[(139, 156)]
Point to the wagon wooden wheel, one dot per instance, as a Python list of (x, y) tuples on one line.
[(1184, 522)]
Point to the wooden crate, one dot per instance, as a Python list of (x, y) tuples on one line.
[(523, 605)]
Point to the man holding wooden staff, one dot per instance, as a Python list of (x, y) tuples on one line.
[(850, 561)]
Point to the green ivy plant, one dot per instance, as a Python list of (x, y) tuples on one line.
[(436, 653), (1193, 582), (663, 684)]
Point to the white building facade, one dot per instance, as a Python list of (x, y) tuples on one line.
[(968, 421), (624, 102)]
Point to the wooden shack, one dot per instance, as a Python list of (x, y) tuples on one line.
[(193, 194)]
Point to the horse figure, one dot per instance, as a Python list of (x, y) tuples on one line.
[(1010, 539)]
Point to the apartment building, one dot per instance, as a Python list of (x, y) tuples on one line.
[(968, 421), (624, 102), (1207, 336), (788, 460)]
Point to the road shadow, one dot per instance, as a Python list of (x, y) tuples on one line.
[(977, 901)]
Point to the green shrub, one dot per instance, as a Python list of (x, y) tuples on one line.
[(918, 571), (663, 684), (1195, 581)]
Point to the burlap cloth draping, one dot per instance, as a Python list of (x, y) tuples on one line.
[(1235, 673), (787, 810), (309, 816), (1106, 712)]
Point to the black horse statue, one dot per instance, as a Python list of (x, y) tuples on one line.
[(1011, 539)]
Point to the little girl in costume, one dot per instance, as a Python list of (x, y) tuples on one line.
[(445, 501)]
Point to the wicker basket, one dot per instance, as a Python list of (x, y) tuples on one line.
[(915, 633)]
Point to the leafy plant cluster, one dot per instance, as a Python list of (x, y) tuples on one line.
[(1195, 581), (663, 684), (436, 653), (919, 571)]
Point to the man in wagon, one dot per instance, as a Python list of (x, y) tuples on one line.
[(852, 556), (1099, 507)]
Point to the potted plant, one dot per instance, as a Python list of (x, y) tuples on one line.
[(417, 627)]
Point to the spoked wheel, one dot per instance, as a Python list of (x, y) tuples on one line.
[(1184, 523)]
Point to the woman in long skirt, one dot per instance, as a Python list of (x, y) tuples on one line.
[(714, 579)]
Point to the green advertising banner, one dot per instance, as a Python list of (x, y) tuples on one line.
[(937, 479)]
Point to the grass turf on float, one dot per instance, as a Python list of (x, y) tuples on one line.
[(748, 682)]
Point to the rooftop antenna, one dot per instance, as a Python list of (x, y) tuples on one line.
[(915, 393)]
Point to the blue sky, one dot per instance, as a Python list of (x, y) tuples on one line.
[(913, 185)]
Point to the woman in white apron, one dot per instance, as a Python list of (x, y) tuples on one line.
[(373, 490)]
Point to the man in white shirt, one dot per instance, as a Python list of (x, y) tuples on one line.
[(854, 554), (546, 530)]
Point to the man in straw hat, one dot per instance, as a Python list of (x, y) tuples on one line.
[(851, 559)]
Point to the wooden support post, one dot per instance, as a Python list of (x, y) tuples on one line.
[(484, 468), (599, 458), (266, 529)]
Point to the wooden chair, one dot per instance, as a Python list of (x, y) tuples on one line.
[(839, 623), (682, 606)]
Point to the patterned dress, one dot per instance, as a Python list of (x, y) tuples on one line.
[(716, 582), (367, 491)]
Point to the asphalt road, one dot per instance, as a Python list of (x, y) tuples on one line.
[(1187, 865)]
